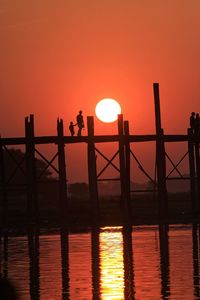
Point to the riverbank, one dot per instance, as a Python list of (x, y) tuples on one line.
[(144, 211)]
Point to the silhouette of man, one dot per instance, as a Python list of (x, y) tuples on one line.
[(71, 128), (192, 121), (80, 122)]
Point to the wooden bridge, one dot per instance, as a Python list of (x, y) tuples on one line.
[(124, 153)]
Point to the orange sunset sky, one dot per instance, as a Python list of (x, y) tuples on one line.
[(60, 56)]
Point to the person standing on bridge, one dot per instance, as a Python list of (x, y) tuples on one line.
[(71, 128), (80, 122)]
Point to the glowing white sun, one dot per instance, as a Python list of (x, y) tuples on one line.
[(107, 110)]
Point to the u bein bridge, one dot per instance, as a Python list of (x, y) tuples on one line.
[(124, 153)]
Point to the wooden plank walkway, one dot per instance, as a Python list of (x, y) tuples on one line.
[(10, 141)]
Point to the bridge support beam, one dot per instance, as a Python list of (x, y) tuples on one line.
[(3, 195), (197, 161), (124, 192), (160, 156), (92, 171), (127, 168), (62, 173), (192, 169), (32, 200)]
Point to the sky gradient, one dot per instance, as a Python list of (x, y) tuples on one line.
[(57, 57)]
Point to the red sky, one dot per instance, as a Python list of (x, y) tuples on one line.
[(57, 57)]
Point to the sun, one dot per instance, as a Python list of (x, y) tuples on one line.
[(107, 110)]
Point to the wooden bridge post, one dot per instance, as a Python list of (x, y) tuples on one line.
[(34, 266), (160, 156), (32, 202), (4, 254), (92, 170), (63, 203), (4, 208), (192, 169), (122, 164), (127, 166), (164, 259), (196, 271), (95, 251), (197, 161), (129, 291), (64, 247)]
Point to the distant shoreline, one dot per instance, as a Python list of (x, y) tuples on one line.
[(80, 215)]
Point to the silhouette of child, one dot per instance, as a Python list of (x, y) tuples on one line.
[(71, 128)]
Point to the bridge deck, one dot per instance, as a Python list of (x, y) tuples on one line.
[(97, 139)]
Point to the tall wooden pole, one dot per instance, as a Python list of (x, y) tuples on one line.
[(3, 187), (28, 190), (160, 156), (196, 271), (34, 268), (92, 170), (63, 203), (34, 175), (164, 260), (64, 245), (5, 255), (95, 251), (32, 202), (157, 108), (122, 164), (197, 160), (129, 287), (127, 167), (192, 169)]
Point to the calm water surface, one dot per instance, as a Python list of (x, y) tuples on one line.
[(139, 262)]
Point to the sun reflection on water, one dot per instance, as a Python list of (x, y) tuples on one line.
[(111, 263)]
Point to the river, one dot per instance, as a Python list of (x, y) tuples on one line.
[(137, 262)]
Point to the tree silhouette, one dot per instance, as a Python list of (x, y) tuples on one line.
[(15, 167)]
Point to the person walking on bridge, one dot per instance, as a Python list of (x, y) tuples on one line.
[(80, 122), (71, 128)]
